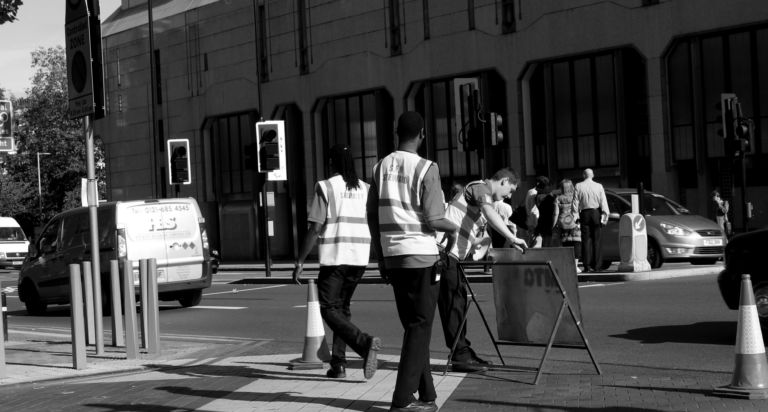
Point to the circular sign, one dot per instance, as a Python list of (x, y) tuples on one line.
[(79, 72), (638, 223)]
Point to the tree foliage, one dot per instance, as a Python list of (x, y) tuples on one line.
[(44, 127), (8, 10)]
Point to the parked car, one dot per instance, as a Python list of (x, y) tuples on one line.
[(170, 230), (674, 233), (13, 243), (743, 255)]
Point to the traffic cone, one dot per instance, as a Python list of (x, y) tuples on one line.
[(750, 376), (315, 348)]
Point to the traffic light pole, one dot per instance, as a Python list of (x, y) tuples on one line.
[(93, 203), (745, 216), (265, 202)]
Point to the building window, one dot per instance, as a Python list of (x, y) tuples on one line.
[(471, 14), (230, 136), (158, 79), (301, 15), (590, 111), (508, 16), (395, 43), (363, 121), (425, 18), (701, 68), (263, 42)]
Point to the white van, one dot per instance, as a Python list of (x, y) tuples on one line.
[(13, 243), (170, 230)]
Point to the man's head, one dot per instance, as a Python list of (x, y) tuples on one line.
[(503, 183), (410, 126), (588, 173)]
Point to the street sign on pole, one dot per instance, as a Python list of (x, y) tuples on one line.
[(83, 41)]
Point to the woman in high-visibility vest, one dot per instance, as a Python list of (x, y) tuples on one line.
[(337, 222)]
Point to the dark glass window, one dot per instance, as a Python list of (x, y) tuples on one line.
[(508, 16), (362, 122), (229, 137)]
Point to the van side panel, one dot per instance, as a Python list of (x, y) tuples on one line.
[(168, 231)]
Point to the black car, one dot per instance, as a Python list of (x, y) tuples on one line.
[(744, 255)]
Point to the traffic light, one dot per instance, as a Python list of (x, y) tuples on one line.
[(6, 127), (179, 162), (6, 118), (270, 142), (496, 121)]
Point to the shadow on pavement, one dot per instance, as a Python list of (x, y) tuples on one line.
[(545, 407), (720, 333)]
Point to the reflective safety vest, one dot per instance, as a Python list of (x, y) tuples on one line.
[(469, 219), (403, 227), (345, 238)]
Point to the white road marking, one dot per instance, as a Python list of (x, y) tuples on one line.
[(218, 307), (236, 290)]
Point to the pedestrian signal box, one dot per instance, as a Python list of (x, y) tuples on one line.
[(179, 170), (270, 144), (6, 127)]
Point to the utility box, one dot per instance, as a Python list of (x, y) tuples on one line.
[(633, 244)]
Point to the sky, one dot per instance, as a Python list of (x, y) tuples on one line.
[(40, 23)]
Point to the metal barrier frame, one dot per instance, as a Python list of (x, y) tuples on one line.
[(550, 343)]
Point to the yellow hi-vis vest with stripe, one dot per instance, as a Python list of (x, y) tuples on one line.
[(469, 219), (345, 238), (403, 227)]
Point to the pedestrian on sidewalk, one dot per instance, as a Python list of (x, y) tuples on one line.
[(337, 218), (721, 212), (405, 208), (471, 212), (566, 227), (592, 205)]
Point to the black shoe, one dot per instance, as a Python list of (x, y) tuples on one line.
[(468, 366), (416, 406), (369, 362), (337, 372), (479, 360)]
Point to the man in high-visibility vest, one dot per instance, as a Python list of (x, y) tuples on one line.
[(337, 218), (471, 212), (405, 208)]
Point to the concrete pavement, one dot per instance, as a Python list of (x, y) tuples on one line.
[(206, 375)]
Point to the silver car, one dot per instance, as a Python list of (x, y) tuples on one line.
[(674, 233)]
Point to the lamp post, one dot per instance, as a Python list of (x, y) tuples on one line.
[(39, 185)]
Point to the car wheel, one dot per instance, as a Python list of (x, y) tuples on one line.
[(655, 259), (191, 298), (761, 302), (703, 261)]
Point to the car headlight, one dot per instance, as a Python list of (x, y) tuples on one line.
[(675, 230)]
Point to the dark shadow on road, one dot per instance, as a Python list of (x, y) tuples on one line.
[(239, 371), (693, 391), (719, 333), (140, 408), (544, 407), (346, 404)]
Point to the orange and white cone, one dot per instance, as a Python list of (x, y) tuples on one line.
[(750, 376), (315, 348)]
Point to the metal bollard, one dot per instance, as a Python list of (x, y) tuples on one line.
[(76, 317), (143, 300), (97, 315), (4, 324), (153, 314), (5, 316), (88, 285), (129, 308), (115, 298)]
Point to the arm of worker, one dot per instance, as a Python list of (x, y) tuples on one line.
[(555, 213), (313, 231), (497, 223), (372, 215), (575, 205), (318, 211)]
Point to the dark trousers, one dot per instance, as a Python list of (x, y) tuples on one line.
[(591, 255), (452, 305), (416, 298), (335, 286)]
